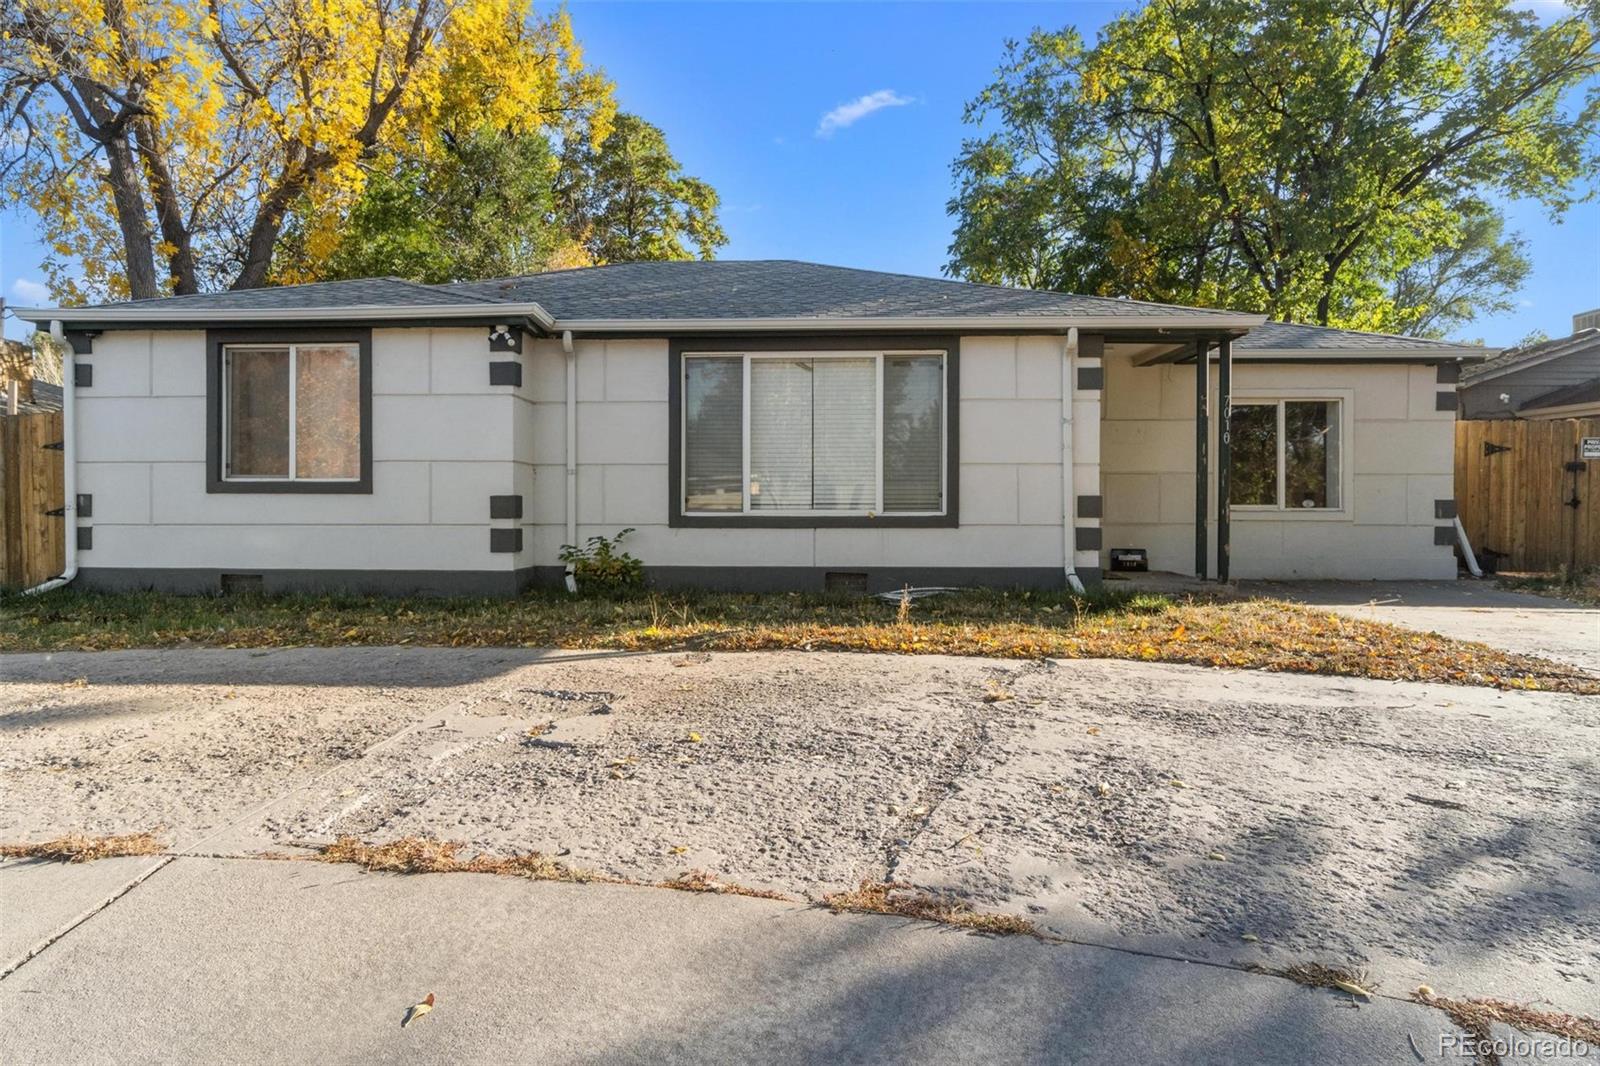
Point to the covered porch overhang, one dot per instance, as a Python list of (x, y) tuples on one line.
[(1167, 347)]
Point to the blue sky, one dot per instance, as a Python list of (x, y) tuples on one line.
[(742, 91)]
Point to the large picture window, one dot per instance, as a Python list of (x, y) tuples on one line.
[(1287, 454), (290, 415), (825, 434)]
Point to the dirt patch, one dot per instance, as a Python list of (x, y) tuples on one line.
[(76, 847)]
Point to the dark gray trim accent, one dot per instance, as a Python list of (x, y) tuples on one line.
[(208, 581), (1202, 507), (505, 506), (82, 342), (1091, 346), (1087, 538), (677, 346), (506, 373), (1091, 378), (85, 538), (85, 507), (1444, 508), (505, 541), (83, 375), (1093, 577), (1091, 507), (1447, 373), (1224, 454), (1444, 536), (215, 339), (1444, 401), (504, 338)]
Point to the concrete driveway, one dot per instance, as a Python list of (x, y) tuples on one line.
[(1425, 833), (1468, 610)]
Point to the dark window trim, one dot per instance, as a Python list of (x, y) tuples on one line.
[(950, 345), (216, 339)]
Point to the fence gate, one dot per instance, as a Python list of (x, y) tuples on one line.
[(1525, 492), (32, 528)]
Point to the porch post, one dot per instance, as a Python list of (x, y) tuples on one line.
[(1202, 367), (1224, 449)]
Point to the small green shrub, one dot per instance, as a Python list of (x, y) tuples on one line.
[(601, 564)]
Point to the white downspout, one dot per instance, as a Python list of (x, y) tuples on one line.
[(69, 467), (572, 452), (1069, 535)]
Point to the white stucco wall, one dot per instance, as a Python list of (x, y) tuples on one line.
[(443, 439), (1398, 456), (1010, 488)]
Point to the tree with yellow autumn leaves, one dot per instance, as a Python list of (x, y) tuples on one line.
[(169, 146)]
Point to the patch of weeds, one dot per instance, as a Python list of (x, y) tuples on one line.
[(1476, 1016), (76, 847), (882, 897), (700, 881), (1579, 586), (422, 855), (1319, 975)]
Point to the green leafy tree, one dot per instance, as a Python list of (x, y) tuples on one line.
[(627, 198), (1329, 161), (478, 208)]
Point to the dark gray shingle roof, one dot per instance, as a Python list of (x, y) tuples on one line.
[(360, 292), (1582, 392), (1531, 354), (1296, 337), (784, 288), (46, 397)]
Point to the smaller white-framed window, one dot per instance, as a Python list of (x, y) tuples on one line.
[(291, 413), (1287, 454)]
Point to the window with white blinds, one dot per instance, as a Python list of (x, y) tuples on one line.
[(836, 433)]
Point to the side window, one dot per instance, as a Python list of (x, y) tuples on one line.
[(290, 416), (1287, 454)]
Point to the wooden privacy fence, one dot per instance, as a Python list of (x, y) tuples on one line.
[(1524, 491), (30, 488)]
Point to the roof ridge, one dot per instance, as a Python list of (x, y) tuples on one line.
[(440, 289), (1373, 333)]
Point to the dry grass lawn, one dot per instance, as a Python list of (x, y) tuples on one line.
[(1258, 634)]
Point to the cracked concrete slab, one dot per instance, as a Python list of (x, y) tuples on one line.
[(276, 962), (40, 900)]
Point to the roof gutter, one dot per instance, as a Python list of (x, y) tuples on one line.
[(541, 319), (1418, 355), (911, 322)]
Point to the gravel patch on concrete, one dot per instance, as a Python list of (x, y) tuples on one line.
[(1433, 833)]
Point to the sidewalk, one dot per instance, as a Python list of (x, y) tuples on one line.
[(259, 961)]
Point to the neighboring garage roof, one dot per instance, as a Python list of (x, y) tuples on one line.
[(692, 295), (46, 397), (1585, 392), (1293, 339), (1515, 359)]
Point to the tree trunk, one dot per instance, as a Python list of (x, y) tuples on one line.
[(169, 213), (132, 217)]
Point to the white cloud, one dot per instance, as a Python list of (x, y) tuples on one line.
[(30, 292), (858, 109)]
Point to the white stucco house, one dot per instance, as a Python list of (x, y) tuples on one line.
[(759, 424)]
